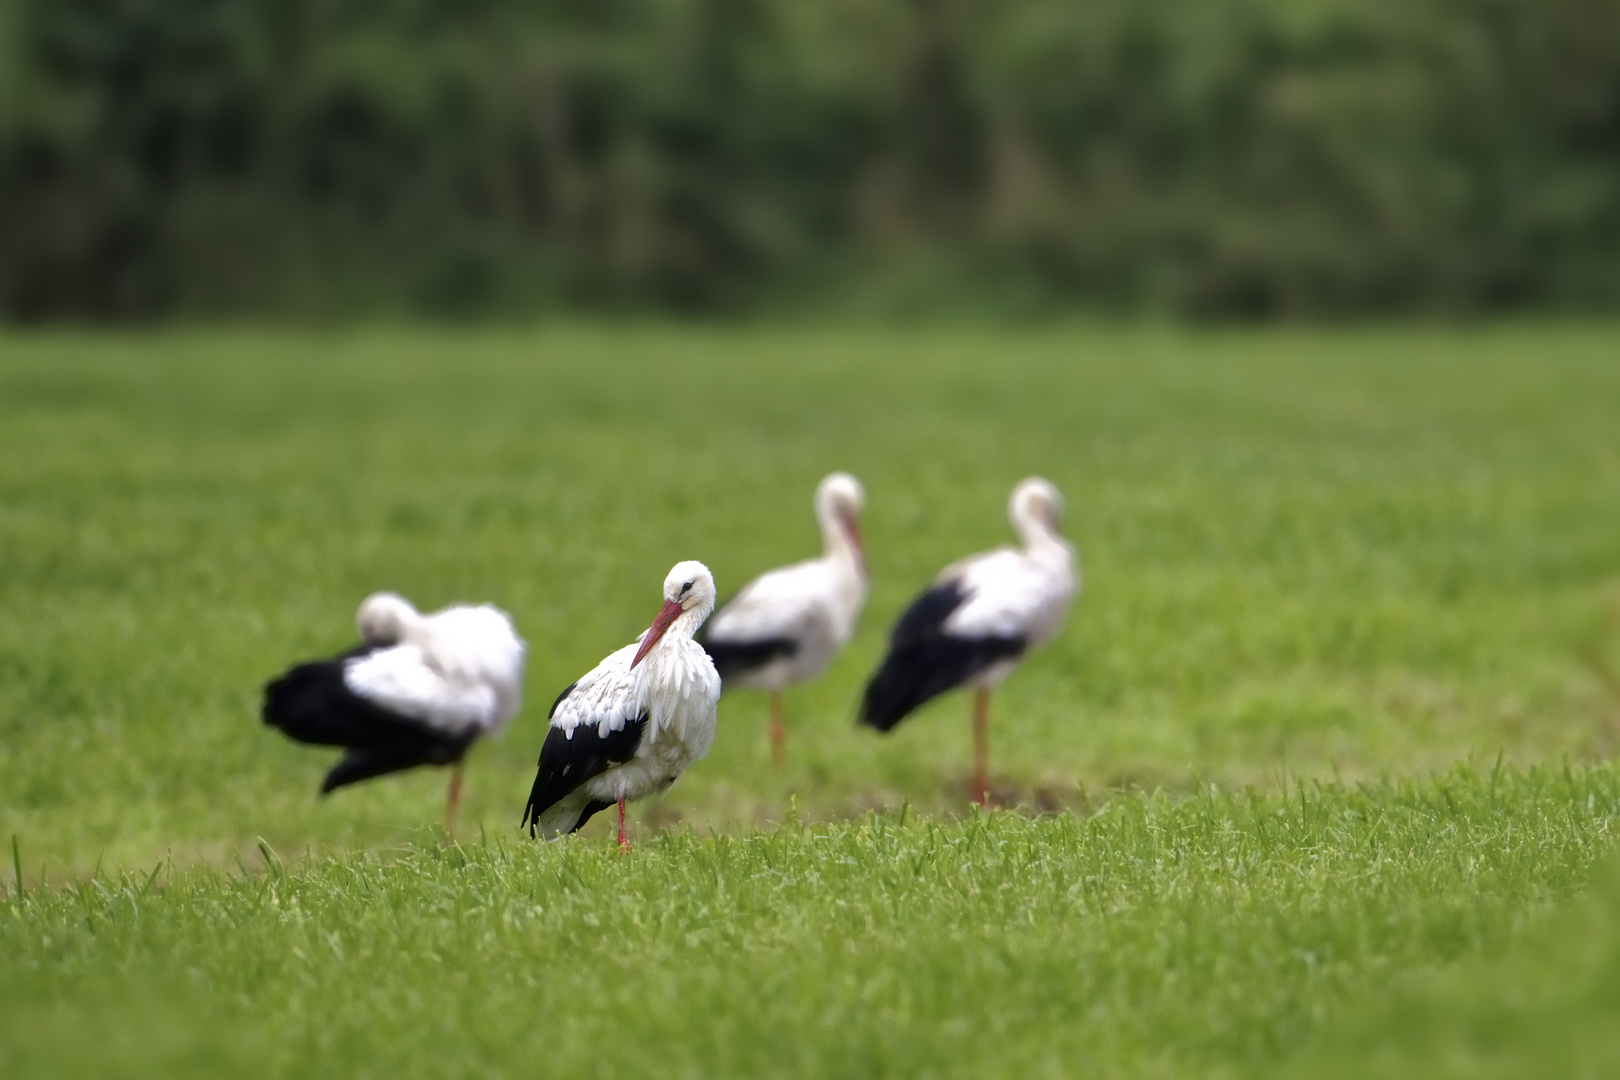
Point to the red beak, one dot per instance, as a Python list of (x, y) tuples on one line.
[(853, 529), (668, 614)]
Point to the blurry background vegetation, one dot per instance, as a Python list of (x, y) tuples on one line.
[(1206, 157)]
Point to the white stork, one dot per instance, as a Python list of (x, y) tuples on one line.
[(787, 625), (977, 620), (420, 690), (635, 722)]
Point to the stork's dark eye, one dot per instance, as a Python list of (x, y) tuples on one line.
[(685, 588)]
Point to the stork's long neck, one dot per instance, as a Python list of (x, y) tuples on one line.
[(687, 623), (1044, 543), (669, 662), (413, 628), (408, 628), (837, 544)]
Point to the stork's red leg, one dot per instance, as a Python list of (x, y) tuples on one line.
[(981, 746), (778, 730), (624, 841), (452, 805)]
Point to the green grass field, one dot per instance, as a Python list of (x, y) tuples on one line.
[(1323, 748)]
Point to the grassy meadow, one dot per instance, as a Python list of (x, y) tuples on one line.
[(1329, 720), (1209, 934)]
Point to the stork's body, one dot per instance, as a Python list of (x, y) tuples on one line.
[(634, 723), (786, 625), (976, 622), (419, 690)]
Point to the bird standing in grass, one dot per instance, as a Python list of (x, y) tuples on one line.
[(420, 690), (635, 722), (975, 623), (786, 625)]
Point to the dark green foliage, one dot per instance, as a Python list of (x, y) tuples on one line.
[(1244, 157)]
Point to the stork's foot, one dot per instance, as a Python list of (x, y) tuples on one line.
[(998, 793)]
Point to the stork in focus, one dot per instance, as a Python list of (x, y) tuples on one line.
[(634, 723), (419, 690), (786, 625), (976, 622)]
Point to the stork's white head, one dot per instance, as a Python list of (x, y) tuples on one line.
[(1035, 502), (839, 502), (688, 590), (840, 493), (383, 618), (691, 586)]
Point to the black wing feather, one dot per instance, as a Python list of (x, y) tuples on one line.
[(364, 763), (924, 661), (592, 808), (310, 703), (566, 763), (734, 658), (561, 698)]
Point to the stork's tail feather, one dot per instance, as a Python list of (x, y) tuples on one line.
[(560, 818), (535, 807), (531, 816), (898, 688), (918, 665), (311, 705), (592, 808), (540, 813), (917, 672)]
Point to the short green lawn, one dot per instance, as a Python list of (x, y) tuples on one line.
[(1309, 556), (1546, 1008), (1204, 934)]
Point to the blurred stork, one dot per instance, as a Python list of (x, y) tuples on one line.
[(786, 625), (976, 622), (634, 723), (419, 690)]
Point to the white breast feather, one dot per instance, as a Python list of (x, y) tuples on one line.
[(681, 689)]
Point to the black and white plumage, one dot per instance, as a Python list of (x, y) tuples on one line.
[(420, 690), (978, 619), (634, 723), (786, 625)]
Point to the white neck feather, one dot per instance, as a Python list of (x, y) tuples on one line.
[(1041, 540), (683, 628), (670, 674), (835, 542), (686, 624)]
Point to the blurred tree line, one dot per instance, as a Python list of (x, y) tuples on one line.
[(1218, 157)]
